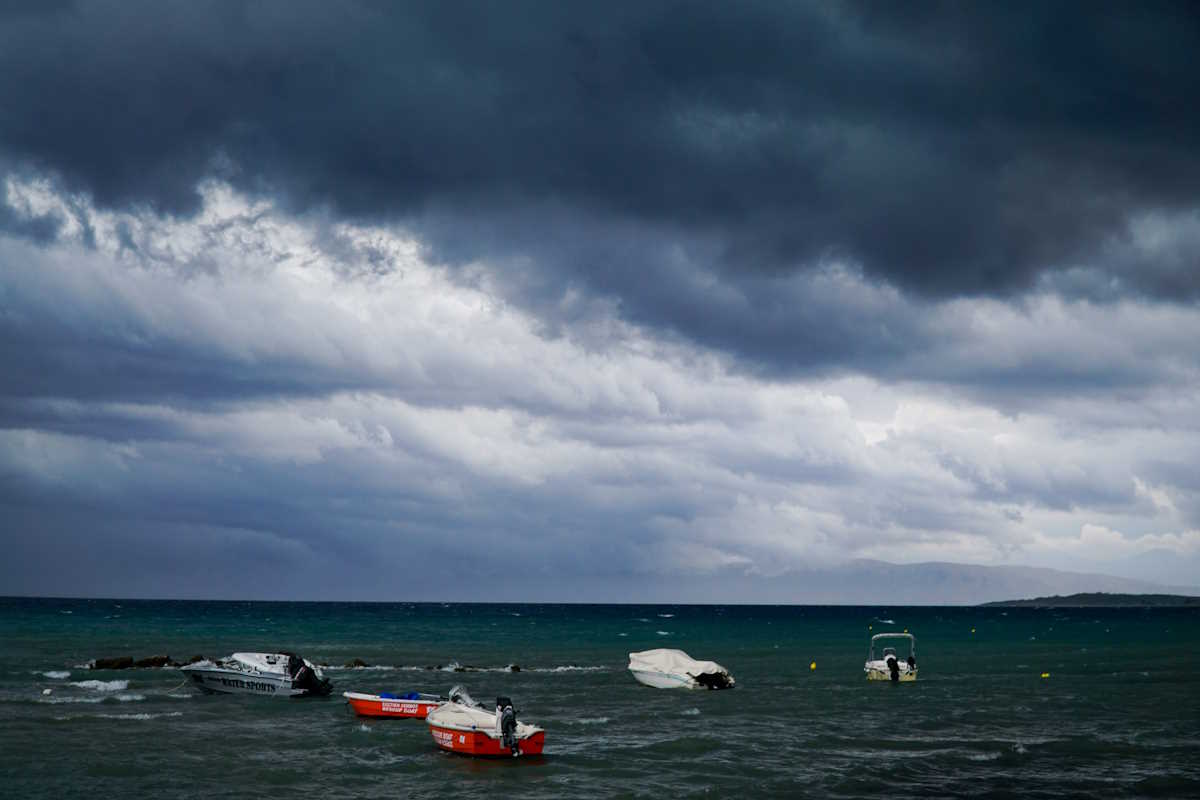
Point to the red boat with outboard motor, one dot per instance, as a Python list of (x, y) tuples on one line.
[(463, 726)]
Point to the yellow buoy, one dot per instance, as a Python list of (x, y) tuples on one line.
[(813, 665), (1045, 674)]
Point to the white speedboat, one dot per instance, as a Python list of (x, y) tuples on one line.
[(890, 667), (267, 674), (674, 669)]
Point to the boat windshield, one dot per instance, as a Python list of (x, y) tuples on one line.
[(889, 651)]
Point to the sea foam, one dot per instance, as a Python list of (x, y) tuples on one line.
[(102, 686)]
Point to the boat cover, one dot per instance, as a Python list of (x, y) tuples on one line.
[(673, 662), (472, 718)]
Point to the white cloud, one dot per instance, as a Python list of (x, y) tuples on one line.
[(331, 362)]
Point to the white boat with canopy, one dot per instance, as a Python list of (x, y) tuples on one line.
[(889, 666), (674, 669)]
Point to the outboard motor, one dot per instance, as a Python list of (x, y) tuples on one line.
[(506, 721), (894, 667), (712, 680), (304, 678)]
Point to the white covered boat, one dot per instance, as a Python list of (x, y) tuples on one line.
[(265, 674), (889, 666), (674, 669)]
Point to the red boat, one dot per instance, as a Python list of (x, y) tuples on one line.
[(462, 726), (413, 705)]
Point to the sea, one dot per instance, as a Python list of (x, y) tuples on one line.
[(1010, 702)]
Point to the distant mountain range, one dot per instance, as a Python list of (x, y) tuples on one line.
[(1103, 600)]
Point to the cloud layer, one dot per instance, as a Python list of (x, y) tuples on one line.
[(294, 298), (247, 386)]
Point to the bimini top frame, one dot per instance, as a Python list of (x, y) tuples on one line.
[(912, 643)]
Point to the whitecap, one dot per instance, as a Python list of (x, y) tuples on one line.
[(102, 686), (364, 728), (622, 634), (663, 633), (123, 698), (886, 621), (58, 674), (666, 616), (592, 721), (983, 756), (141, 716), (691, 712), (567, 668)]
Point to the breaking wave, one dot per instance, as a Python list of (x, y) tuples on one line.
[(58, 674), (102, 686), (120, 698), (141, 716), (455, 666)]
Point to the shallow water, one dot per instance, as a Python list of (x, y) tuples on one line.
[(1119, 714)]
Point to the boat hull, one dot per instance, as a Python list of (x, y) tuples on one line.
[(217, 681), (664, 680), (884, 674), (372, 705), (481, 744)]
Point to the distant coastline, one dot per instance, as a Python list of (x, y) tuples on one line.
[(1103, 600)]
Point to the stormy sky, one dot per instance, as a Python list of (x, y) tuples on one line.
[(560, 301)]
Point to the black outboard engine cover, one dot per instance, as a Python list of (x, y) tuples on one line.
[(713, 680), (894, 666), (508, 724), (304, 678)]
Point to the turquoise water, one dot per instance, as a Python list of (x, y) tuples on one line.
[(1119, 714)]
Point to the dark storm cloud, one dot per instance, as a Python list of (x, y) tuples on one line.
[(948, 149)]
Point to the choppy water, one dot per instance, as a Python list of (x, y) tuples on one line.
[(1119, 714)]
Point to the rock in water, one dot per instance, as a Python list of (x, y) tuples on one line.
[(358, 662), (121, 662), (153, 661)]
